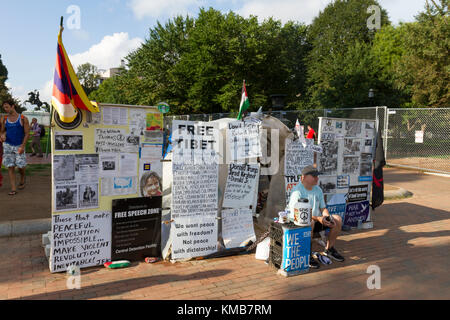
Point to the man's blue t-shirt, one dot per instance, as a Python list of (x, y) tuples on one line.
[(315, 197)]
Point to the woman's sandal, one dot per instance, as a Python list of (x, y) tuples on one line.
[(12, 193)]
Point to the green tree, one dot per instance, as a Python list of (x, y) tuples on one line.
[(424, 69), (197, 65), (89, 77), (340, 66), (4, 90)]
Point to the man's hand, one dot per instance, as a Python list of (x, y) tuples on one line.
[(329, 224), (3, 137), (21, 149)]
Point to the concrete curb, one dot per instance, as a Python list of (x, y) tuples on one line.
[(397, 194), (25, 227)]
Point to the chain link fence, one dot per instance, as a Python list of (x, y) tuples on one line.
[(419, 138), (401, 130)]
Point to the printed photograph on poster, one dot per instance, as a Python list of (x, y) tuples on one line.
[(351, 165), (118, 186), (343, 181), (115, 116), (66, 197), (87, 168), (369, 125), (329, 158), (154, 137), (138, 122), (353, 128), (338, 125), (95, 118), (365, 169), (68, 141), (109, 165), (63, 168), (366, 157), (327, 184), (237, 227), (150, 184), (352, 147), (326, 136), (154, 121), (88, 195), (328, 126)]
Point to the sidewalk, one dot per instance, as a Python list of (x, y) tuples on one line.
[(410, 244)]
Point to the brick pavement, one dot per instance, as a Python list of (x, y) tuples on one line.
[(410, 244)]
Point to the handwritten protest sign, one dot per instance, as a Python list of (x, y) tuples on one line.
[(115, 141), (241, 183), (244, 140), (81, 239), (237, 227)]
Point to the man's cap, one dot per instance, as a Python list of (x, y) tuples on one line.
[(311, 170)]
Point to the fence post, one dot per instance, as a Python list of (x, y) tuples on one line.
[(386, 132)]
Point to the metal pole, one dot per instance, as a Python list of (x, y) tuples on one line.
[(386, 125)]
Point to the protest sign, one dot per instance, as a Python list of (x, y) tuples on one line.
[(241, 183), (115, 141), (237, 227), (243, 140), (354, 212), (80, 239), (136, 228), (194, 237)]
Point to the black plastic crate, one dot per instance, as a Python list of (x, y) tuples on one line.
[(276, 245)]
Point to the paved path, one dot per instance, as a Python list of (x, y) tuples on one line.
[(410, 244)]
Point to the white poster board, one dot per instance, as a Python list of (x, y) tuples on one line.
[(237, 227), (243, 140), (242, 180), (80, 239), (346, 165), (194, 189)]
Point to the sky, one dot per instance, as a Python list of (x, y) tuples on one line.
[(103, 32)]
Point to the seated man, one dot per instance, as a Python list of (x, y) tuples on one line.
[(307, 188)]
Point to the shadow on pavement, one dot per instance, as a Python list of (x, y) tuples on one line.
[(124, 286)]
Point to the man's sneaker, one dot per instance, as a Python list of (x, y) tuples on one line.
[(32, 155), (333, 254), (313, 264)]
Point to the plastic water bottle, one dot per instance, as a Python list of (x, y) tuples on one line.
[(359, 224)]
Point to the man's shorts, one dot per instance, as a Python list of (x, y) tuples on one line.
[(318, 227), (12, 158)]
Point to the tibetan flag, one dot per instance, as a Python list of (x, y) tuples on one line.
[(68, 95), (245, 103)]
